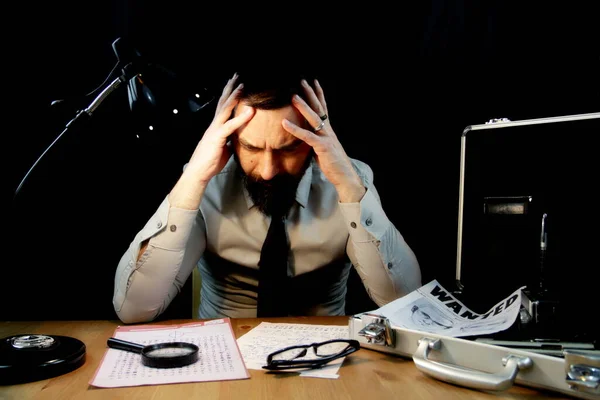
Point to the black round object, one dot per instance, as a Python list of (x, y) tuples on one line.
[(33, 357), (161, 355)]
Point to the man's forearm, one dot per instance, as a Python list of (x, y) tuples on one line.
[(384, 261), (351, 193), (387, 267), (158, 262), (187, 192), (352, 189)]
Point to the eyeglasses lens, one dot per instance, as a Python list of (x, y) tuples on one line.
[(331, 349), (290, 354), (324, 350)]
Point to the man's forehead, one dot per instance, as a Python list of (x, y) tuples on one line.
[(266, 126), (289, 112)]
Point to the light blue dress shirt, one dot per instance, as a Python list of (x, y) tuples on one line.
[(223, 239)]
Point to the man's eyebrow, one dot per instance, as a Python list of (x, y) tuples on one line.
[(245, 143), (290, 146)]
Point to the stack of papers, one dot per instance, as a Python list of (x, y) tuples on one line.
[(268, 337), (220, 357)]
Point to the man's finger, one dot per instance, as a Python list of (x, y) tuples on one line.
[(224, 94), (224, 112), (312, 98), (309, 114), (302, 134), (227, 90), (230, 126), (321, 95)]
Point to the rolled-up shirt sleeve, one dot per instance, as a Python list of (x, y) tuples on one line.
[(145, 286), (384, 261)]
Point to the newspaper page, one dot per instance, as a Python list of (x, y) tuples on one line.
[(431, 308)]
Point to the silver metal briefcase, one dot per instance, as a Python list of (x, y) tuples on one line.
[(535, 174), (478, 365)]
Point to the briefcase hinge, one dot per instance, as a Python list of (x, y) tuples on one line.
[(582, 371), (377, 330)]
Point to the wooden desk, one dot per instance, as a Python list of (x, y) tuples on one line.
[(366, 374)]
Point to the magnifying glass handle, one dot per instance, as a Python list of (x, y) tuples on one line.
[(123, 345)]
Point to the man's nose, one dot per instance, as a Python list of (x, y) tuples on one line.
[(270, 167)]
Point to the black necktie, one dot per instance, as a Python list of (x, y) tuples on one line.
[(273, 266)]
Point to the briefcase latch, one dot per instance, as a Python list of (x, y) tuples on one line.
[(377, 330), (582, 371)]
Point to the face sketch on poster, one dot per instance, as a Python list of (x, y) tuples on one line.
[(426, 316), (485, 324)]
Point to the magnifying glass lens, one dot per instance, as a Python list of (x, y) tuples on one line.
[(162, 355), (169, 352)]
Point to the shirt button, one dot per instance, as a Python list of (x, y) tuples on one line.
[(353, 224), (159, 224), (369, 221), (390, 265), (173, 228)]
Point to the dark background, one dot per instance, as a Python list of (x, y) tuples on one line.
[(401, 86)]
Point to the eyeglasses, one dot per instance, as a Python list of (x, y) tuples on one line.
[(322, 353)]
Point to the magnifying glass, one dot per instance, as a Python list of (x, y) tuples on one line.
[(160, 355)]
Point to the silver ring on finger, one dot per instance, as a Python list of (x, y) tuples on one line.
[(321, 125)]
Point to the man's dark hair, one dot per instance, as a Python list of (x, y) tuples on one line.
[(271, 88)]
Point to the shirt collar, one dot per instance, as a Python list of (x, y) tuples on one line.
[(304, 186), (301, 193)]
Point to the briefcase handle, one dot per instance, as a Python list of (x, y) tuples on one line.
[(465, 377)]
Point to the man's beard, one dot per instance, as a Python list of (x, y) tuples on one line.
[(275, 196)]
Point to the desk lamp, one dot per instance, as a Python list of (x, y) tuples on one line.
[(153, 92)]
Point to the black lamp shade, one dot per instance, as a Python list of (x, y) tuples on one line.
[(158, 98)]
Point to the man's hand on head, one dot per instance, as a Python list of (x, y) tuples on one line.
[(212, 152), (329, 153)]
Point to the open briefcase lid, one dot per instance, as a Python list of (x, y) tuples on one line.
[(528, 216)]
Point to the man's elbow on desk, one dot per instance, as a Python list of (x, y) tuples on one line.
[(130, 315), (129, 311)]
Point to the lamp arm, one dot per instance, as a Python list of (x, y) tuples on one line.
[(103, 95), (78, 121)]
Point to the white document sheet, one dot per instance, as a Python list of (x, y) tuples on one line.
[(268, 337), (220, 357), (431, 308)]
